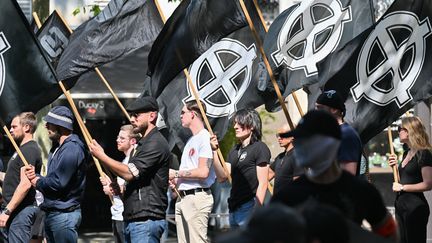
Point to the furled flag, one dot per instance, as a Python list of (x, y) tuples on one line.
[(192, 29), (27, 81), (386, 70), (229, 76), (53, 37), (307, 32), (121, 28)]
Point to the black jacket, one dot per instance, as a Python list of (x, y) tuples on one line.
[(146, 196)]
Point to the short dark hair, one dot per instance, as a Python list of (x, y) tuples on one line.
[(250, 119), (192, 105), (28, 118)]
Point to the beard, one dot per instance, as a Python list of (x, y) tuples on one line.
[(141, 128), (18, 139), (54, 136)]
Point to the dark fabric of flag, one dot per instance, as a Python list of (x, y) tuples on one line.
[(192, 29), (305, 33), (229, 76), (386, 70), (34, 26), (121, 28), (27, 81), (53, 37)]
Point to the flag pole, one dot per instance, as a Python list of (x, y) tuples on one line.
[(101, 76), (37, 20), (267, 64), (394, 167), (17, 149), (300, 110), (196, 96)]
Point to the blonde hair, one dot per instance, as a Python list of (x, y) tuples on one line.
[(417, 135), (129, 129)]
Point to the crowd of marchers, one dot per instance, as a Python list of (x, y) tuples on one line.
[(318, 193)]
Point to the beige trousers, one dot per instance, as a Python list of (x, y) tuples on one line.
[(192, 215)]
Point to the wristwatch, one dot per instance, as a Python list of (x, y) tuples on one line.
[(176, 174), (7, 211)]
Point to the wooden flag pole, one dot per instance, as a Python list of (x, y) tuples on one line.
[(101, 76), (196, 96), (17, 149), (394, 167), (300, 110), (37, 20), (267, 64)]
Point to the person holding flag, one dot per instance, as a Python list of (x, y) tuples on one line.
[(18, 209), (194, 178), (248, 166), (63, 186), (412, 208)]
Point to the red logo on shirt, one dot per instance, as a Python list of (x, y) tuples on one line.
[(191, 152)]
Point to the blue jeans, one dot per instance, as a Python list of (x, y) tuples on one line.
[(149, 231), (19, 229), (62, 226), (241, 215)]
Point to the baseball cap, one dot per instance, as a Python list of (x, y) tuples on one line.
[(317, 122), (331, 99), (143, 104), (60, 116)]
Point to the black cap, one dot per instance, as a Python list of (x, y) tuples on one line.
[(317, 122), (143, 104), (331, 99)]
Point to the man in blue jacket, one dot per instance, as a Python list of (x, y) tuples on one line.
[(63, 186)]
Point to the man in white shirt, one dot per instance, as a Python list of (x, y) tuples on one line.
[(126, 141), (194, 178)]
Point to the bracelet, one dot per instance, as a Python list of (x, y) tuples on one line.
[(402, 188), (7, 211), (176, 174)]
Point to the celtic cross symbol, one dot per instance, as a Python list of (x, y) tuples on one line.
[(222, 75), (311, 32), (4, 46), (400, 38)]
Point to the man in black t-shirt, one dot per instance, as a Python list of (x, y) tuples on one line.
[(283, 169), (19, 208), (316, 144)]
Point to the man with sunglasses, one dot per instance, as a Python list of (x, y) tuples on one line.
[(284, 169), (146, 175), (349, 154)]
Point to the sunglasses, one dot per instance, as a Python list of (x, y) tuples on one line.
[(283, 135), (402, 129)]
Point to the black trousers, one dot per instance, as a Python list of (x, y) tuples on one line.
[(412, 213)]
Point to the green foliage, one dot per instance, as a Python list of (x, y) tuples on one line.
[(41, 7), (267, 118), (95, 9), (228, 141)]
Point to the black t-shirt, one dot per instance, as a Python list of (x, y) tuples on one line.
[(355, 198), (285, 169), (243, 171), (32, 153), (411, 173)]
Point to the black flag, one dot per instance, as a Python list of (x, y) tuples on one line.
[(192, 29), (27, 81), (229, 76), (121, 28), (54, 37), (386, 70), (307, 32)]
